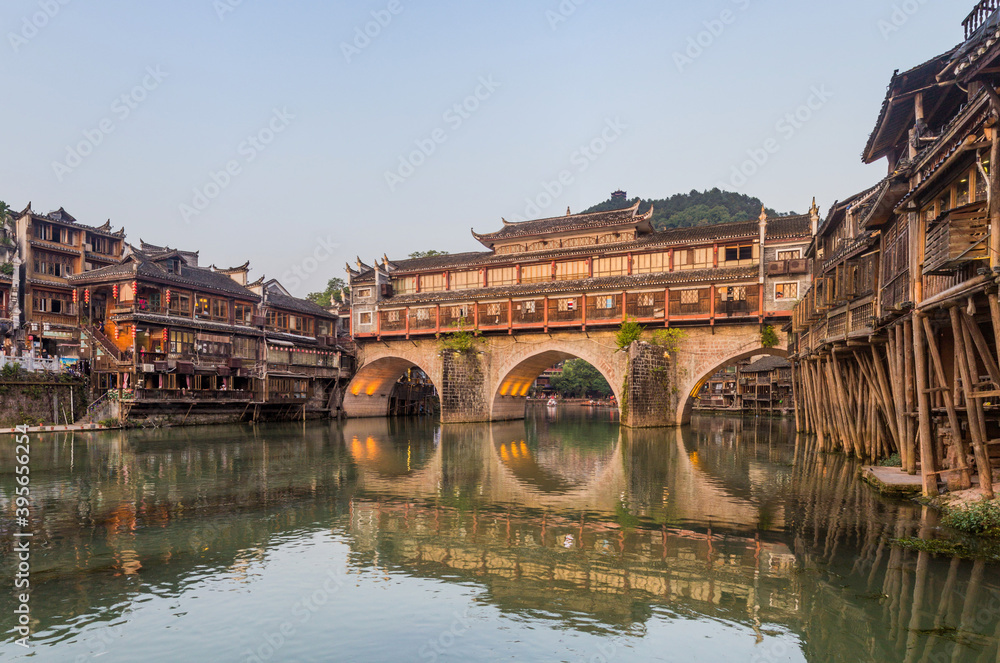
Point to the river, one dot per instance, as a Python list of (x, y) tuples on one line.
[(559, 538)]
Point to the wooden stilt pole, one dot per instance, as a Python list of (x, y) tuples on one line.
[(973, 406), (927, 467), (910, 397), (949, 404)]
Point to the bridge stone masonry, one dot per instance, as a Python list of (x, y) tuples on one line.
[(491, 382), (560, 288)]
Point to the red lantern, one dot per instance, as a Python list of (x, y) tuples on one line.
[(75, 296), (117, 331), (86, 295), (114, 290), (134, 330), (165, 336), (135, 288), (168, 296)]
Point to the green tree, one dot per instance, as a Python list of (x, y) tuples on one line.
[(428, 254), (333, 288), (695, 208), (579, 379)]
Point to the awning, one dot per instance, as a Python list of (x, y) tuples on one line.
[(275, 341)]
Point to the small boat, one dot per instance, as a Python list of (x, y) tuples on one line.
[(552, 402)]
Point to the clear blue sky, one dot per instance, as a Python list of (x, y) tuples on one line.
[(607, 76)]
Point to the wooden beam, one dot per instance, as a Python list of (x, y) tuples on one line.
[(949, 404), (965, 366), (927, 466)]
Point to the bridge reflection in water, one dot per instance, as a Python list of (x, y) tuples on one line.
[(564, 521)]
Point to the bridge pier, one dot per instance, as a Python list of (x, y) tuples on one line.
[(464, 392)]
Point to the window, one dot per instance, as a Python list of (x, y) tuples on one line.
[(50, 264), (692, 258), (572, 270), (180, 305), (363, 293), (579, 241), (689, 296), (566, 305), (459, 312), (494, 309), (181, 342), (393, 316), (739, 253), (277, 320), (245, 348), (365, 318), (611, 266), (405, 285), (536, 273), (51, 302), (466, 280), (791, 254), (501, 276), (424, 313), (202, 306), (528, 307), (785, 291), (220, 309), (647, 263), (432, 283), (244, 313), (605, 303)]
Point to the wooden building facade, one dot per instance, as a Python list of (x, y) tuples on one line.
[(158, 328), (897, 340)]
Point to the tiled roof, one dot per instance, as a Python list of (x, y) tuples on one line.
[(782, 227), (64, 217), (894, 119), (285, 302), (766, 365), (603, 283), (140, 265), (570, 222)]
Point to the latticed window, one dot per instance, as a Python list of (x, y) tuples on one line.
[(432, 283), (786, 290), (567, 305), (502, 276), (689, 296), (423, 314), (571, 270), (646, 263), (536, 273), (611, 266), (465, 280), (392, 316), (494, 309), (579, 241)]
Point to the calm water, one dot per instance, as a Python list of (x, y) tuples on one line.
[(561, 538)]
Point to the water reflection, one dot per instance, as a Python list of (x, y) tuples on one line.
[(562, 522)]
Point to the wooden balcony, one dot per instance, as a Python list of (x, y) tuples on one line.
[(957, 238)]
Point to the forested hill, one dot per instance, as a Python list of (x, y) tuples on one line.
[(697, 208)]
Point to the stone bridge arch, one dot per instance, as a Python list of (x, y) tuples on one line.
[(517, 365), (380, 366), (703, 353)]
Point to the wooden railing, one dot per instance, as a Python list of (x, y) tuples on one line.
[(979, 15)]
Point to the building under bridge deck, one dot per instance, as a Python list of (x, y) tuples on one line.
[(586, 271), (896, 341)]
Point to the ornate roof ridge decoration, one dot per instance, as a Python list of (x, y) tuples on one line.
[(258, 283), (245, 267), (352, 272), (563, 224)]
